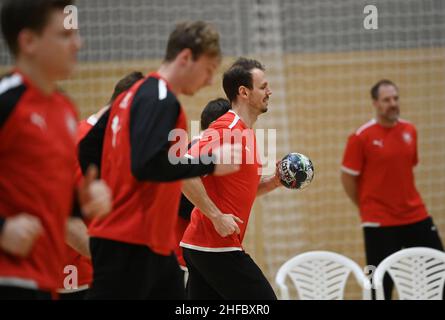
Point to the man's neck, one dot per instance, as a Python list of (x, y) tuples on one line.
[(37, 76), (168, 72), (386, 123), (245, 114)]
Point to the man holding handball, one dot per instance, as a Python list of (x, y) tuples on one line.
[(219, 268)]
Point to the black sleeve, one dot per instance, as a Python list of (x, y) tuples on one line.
[(2, 222), (160, 169), (185, 208), (91, 146), (76, 212), (8, 100), (151, 121)]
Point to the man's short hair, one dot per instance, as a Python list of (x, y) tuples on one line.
[(198, 36), (375, 88), (239, 74), (125, 83), (213, 110), (17, 15)]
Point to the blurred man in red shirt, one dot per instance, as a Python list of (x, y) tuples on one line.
[(377, 175)]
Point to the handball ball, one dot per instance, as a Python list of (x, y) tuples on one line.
[(296, 171)]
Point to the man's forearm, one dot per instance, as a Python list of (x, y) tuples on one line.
[(350, 185), (77, 236), (267, 184), (194, 190)]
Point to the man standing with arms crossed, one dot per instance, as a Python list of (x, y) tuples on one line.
[(377, 175)]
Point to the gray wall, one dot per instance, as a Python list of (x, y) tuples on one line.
[(134, 29)]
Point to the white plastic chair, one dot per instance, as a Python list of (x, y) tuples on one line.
[(418, 274), (320, 275)]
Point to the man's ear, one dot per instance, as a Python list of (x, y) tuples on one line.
[(26, 41), (185, 56), (243, 92)]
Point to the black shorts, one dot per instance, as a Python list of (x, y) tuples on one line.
[(76, 295), (17, 293), (129, 271), (381, 242), (225, 275)]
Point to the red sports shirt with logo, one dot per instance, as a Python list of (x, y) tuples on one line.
[(145, 206), (37, 165), (383, 159), (233, 193)]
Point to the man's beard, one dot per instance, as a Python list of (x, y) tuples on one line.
[(392, 115)]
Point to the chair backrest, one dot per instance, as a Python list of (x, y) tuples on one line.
[(320, 275), (418, 274)]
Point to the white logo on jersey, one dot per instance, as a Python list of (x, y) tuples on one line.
[(115, 127), (407, 138), (378, 142), (71, 124), (38, 120), (162, 90), (125, 100)]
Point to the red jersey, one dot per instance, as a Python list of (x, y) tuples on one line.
[(233, 193), (384, 158), (144, 212), (74, 258), (37, 163)]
